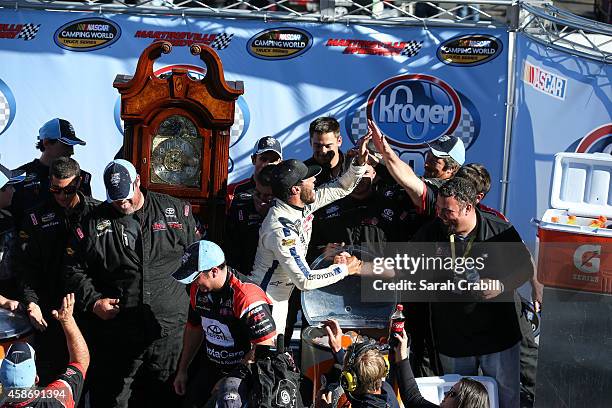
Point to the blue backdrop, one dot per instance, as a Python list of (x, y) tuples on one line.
[(564, 104), (425, 82)]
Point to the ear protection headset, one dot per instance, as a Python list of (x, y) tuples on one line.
[(348, 378)]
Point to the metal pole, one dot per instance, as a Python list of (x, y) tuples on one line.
[(511, 91), (328, 10)]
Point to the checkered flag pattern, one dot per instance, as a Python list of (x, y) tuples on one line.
[(221, 41), (5, 112), (359, 124), (412, 48), (29, 31), (465, 129), (238, 126)]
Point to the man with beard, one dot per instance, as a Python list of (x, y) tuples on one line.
[(56, 139), (410, 204), (38, 256), (280, 262), (325, 141), (445, 156), (478, 174), (477, 329), (120, 270), (243, 222)]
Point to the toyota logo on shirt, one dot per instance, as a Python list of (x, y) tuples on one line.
[(215, 332)]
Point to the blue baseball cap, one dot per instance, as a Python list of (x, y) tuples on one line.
[(199, 256), (10, 176), (18, 368), (449, 146), (59, 129), (119, 178)]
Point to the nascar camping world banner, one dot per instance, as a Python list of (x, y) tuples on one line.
[(416, 84)]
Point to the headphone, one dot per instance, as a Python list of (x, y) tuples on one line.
[(348, 378)]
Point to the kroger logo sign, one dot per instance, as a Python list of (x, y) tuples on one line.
[(597, 141), (412, 110)]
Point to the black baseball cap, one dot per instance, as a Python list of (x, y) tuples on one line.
[(268, 144), (119, 178), (289, 173), (59, 129)]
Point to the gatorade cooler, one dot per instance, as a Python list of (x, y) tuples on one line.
[(341, 301), (575, 250)]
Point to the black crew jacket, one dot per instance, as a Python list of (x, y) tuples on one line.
[(132, 258), (465, 327), (40, 244)]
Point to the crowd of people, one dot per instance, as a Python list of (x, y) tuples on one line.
[(170, 319)]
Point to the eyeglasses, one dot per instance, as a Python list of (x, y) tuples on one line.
[(451, 393), (68, 190)]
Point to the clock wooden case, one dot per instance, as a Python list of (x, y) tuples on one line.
[(177, 130)]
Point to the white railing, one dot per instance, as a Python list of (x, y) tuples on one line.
[(389, 12)]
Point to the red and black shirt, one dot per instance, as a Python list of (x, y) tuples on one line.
[(232, 319), (63, 392)]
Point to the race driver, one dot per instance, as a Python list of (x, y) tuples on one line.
[(280, 262), (225, 314)]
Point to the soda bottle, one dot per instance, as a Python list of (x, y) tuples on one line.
[(396, 325)]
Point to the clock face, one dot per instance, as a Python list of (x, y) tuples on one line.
[(176, 153)]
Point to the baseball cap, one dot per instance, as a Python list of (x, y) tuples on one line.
[(18, 368), (59, 129), (290, 172), (10, 176), (449, 146), (199, 256), (268, 144), (119, 178)]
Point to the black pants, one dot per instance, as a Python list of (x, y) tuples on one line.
[(129, 370), (199, 388), (529, 356), (295, 305)]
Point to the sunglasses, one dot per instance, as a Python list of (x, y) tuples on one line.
[(68, 190)]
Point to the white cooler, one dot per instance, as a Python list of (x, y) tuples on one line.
[(433, 388), (575, 247)]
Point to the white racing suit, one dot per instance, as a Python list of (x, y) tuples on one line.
[(280, 261)]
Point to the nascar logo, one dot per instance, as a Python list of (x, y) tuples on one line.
[(412, 110), (93, 27), (544, 81), (87, 34)]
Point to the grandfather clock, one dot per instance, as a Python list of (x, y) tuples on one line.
[(177, 130)]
